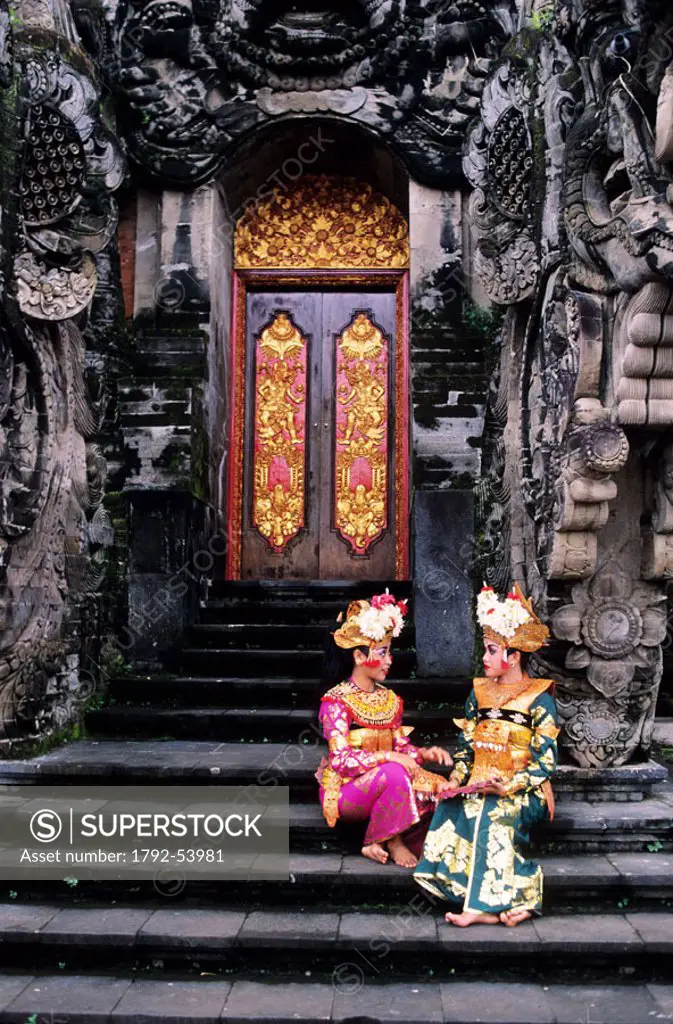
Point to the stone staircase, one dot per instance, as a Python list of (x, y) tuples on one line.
[(343, 937)]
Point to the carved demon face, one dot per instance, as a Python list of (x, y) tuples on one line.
[(198, 74), (314, 44)]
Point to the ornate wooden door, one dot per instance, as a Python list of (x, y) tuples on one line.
[(319, 469)]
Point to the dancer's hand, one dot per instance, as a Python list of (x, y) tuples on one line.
[(437, 755), (406, 760), (496, 788), (448, 791)]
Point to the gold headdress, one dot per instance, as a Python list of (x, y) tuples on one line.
[(511, 623), (371, 622)]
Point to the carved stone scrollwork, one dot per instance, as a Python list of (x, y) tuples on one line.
[(499, 164), (586, 487), (494, 498), (72, 164), (199, 76), (598, 732), (575, 450), (618, 209), (645, 377), (53, 293)]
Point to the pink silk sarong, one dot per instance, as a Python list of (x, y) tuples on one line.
[(378, 792), (384, 796)]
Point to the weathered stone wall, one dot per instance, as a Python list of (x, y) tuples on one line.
[(61, 166), (448, 397)]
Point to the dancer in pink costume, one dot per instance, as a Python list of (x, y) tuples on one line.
[(373, 772)]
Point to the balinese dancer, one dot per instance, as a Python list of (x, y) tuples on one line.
[(474, 852), (373, 772)]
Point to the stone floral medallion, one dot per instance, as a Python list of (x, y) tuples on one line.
[(613, 624)]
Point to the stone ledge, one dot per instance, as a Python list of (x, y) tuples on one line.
[(89, 999), (417, 926), (629, 782)]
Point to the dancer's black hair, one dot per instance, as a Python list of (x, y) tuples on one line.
[(338, 663), (525, 657)]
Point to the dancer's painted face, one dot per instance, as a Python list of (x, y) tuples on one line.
[(377, 663), (495, 662)]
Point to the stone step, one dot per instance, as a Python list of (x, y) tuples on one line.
[(269, 636), (473, 412), (393, 939), (286, 612), (241, 662), (274, 691), (123, 999), (284, 725), (170, 414), (578, 825), (275, 592), (608, 883)]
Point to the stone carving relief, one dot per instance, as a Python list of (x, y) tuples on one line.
[(496, 500), (658, 540), (618, 211), (499, 164), (53, 526), (588, 361), (645, 373), (72, 165), (199, 74), (616, 627)]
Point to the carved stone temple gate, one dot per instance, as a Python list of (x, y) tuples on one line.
[(393, 305)]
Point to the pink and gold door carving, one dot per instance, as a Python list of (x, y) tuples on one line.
[(361, 437), (320, 471), (279, 432)]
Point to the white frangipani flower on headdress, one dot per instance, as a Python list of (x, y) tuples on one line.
[(512, 622), (370, 622)]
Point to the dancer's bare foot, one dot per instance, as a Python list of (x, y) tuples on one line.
[(401, 854), (375, 852), (465, 919), (514, 917)]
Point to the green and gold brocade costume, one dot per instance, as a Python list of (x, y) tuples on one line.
[(474, 852)]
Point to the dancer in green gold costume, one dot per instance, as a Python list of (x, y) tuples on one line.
[(474, 853)]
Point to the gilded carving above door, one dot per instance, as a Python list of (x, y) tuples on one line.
[(322, 222)]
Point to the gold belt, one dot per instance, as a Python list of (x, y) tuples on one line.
[(373, 739)]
